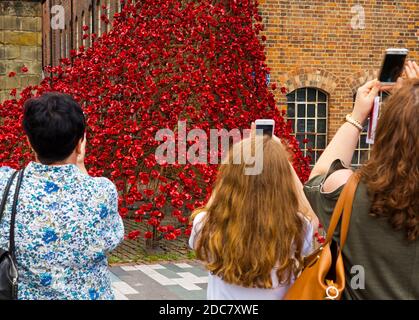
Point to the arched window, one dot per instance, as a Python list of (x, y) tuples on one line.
[(63, 38), (363, 149), (307, 111), (99, 18), (108, 14), (60, 46), (77, 34), (91, 24), (83, 23)]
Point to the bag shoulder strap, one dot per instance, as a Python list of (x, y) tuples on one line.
[(343, 205), (14, 211), (6, 194), (347, 208)]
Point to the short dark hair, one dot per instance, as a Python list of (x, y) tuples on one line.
[(54, 124)]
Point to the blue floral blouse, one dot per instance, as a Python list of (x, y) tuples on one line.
[(66, 223)]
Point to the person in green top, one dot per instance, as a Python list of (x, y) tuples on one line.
[(381, 255)]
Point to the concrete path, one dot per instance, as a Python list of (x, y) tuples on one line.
[(164, 281)]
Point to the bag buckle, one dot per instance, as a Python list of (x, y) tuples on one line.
[(332, 293)]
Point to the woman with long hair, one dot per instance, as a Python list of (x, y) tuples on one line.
[(381, 252), (254, 231)]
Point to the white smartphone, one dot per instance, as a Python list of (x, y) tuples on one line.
[(393, 65), (267, 126)]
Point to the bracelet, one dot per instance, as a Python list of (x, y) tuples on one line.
[(354, 122)]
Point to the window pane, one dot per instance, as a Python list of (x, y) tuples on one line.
[(291, 97), (321, 126), (364, 144), (311, 141), (355, 157), (301, 126), (322, 97), (293, 125), (301, 110), (291, 110), (366, 125), (321, 110), (311, 125), (311, 94), (313, 159), (300, 139), (321, 142), (301, 95), (311, 110)]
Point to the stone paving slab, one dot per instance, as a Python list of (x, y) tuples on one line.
[(165, 281)]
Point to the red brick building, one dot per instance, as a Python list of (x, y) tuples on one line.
[(324, 50)]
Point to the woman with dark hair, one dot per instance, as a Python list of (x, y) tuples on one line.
[(66, 221), (381, 254)]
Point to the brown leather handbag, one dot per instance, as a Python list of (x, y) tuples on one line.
[(323, 276)]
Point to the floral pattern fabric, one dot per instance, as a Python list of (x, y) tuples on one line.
[(66, 223)]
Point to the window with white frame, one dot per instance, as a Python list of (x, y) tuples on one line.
[(99, 18), (307, 110), (85, 42), (77, 34)]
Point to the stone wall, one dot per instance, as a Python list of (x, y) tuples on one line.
[(20, 44)]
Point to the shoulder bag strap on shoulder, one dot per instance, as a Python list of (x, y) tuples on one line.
[(13, 219), (6, 194), (348, 191), (347, 208)]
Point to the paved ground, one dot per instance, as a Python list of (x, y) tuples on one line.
[(165, 281)]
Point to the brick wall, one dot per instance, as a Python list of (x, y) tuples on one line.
[(312, 44), (21, 44)]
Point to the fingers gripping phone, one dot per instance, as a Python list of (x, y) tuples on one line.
[(265, 126), (392, 66)]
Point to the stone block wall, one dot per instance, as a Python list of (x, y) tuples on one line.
[(20, 44)]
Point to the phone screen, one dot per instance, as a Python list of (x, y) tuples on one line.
[(392, 67), (267, 129)]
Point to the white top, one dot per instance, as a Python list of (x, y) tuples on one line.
[(218, 289)]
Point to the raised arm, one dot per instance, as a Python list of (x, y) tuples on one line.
[(344, 143)]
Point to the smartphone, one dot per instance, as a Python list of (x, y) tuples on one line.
[(267, 126), (393, 65)]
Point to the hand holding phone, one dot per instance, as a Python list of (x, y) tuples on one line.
[(365, 100), (412, 70), (393, 66), (265, 127)]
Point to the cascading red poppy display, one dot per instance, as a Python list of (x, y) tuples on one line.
[(162, 62)]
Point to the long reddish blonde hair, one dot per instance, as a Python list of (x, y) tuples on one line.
[(392, 173), (252, 223)]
